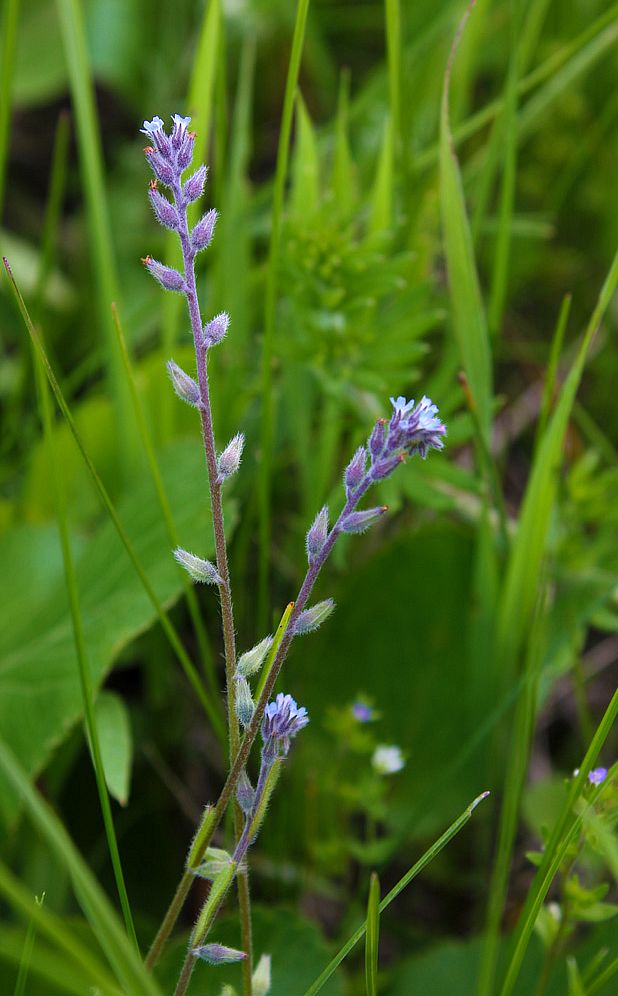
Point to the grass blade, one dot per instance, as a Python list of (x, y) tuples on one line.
[(52, 927), (80, 650), (372, 936), (549, 387), (26, 954), (468, 314), (8, 33), (392, 10), (270, 305), (422, 863), (567, 826), (97, 211), (97, 909)]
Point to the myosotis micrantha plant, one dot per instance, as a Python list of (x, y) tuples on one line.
[(411, 429)]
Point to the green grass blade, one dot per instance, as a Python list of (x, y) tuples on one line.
[(270, 307), (392, 10), (80, 650), (343, 178), (563, 57), (567, 827), (274, 647), (97, 909), (166, 624), (372, 936), (305, 193), (26, 954), (21, 900), (381, 200), (549, 387), (95, 188), (501, 255), (528, 548), (521, 583), (603, 978), (8, 34), (468, 314), (53, 207), (172, 532), (422, 863)]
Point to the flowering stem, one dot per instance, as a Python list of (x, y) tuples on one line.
[(225, 593), (252, 729)]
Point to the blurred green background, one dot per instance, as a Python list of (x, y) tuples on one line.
[(358, 261)]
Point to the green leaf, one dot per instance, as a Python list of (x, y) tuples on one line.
[(381, 203), (116, 743), (39, 689), (305, 196)]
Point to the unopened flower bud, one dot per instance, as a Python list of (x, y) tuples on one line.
[(245, 793), (194, 186), (160, 166), (169, 278), (245, 706), (203, 231), (377, 439), (198, 569), (251, 661), (215, 330), (229, 460), (310, 619), (358, 522), (355, 471), (166, 214), (215, 861), (317, 535), (218, 954), (384, 468), (184, 386)]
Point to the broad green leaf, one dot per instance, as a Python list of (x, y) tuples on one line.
[(39, 688), (116, 743)]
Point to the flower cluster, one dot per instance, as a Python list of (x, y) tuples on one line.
[(282, 720), (413, 428)]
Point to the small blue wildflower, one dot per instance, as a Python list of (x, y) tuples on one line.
[(282, 720), (597, 775), (401, 405), (362, 712), (151, 128)]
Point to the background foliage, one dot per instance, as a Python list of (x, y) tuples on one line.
[(421, 233)]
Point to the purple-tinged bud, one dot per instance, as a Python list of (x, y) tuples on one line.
[(216, 329), (201, 235), (245, 793), (245, 706), (377, 439), (310, 619), (250, 662), (160, 166), (359, 522), (229, 461), (597, 776), (384, 468), (185, 152), (218, 954), (184, 386), (355, 471), (166, 214), (317, 535), (198, 569), (169, 278), (194, 186)]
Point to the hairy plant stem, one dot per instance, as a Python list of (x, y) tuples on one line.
[(252, 729), (225, 591)]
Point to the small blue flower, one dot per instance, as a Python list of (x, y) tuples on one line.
[(282, 720), (401, 405), (597, 775), (362, 712), (180, 122), (150, 128), (387, 759)]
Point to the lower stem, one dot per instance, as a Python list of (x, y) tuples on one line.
[(169, 920)]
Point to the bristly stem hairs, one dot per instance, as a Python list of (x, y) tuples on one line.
[(413, 428)]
